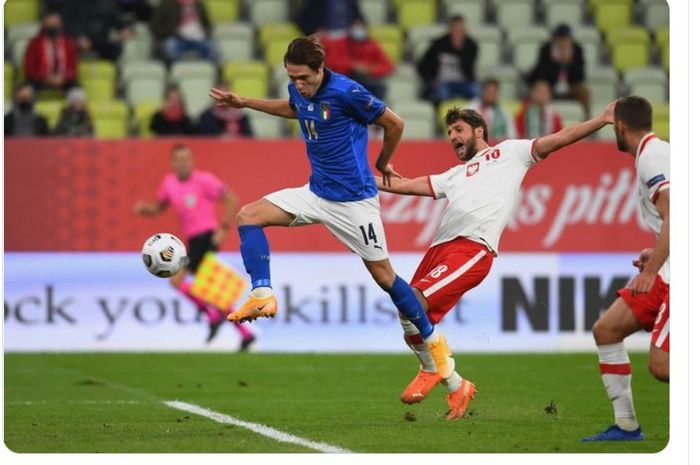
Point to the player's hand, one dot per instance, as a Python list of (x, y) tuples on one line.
[(140, 208), (219, 236), (641, 261), (609, 112), (224, 98), (387, 173), (642, 283)]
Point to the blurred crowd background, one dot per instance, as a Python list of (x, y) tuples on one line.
[(142, 68)]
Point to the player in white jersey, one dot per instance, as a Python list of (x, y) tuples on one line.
[(482, 192), (644, 303)]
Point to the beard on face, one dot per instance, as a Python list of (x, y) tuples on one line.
[(621, 144), (471, 148)]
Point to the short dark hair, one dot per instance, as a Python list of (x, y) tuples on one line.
[(305, 51), (179, 147), (455, 18), (635, 112), (469, 116), (491, 81)]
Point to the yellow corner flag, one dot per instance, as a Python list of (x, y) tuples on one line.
[(217, 283)]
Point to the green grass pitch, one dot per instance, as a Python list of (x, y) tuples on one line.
[(114, 403)]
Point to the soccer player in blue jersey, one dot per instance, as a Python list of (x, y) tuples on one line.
[(333, 112)]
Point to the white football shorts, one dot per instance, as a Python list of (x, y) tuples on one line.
[(357, 224)]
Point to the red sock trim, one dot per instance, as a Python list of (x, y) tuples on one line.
[(621, 369), (413, 339)]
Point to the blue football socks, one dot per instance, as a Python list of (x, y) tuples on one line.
[(408, 304), (256, 254)]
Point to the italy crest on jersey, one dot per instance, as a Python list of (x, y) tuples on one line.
[(325, 111)]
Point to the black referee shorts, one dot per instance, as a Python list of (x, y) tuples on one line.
[(198, 246)]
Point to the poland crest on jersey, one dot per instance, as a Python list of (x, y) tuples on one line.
[(472, 169)]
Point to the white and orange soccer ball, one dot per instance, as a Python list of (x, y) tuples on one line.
[(164, 255)]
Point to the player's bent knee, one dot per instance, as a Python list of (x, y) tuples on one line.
[(659, 370), (247, 216)]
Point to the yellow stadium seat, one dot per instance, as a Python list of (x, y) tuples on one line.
[(275, 51), (277, 31), (391, 40), (110, 119), (143, 113), (252, 69), (109, 128), (9, 80), (663, 37), (594, 4), (629, 56), (445, 106), (666, 58), (610, 16), (21, 11), (631, 34), (661, 120), (249, 87), (51, 110), (222, 11), (97, 68), (98, 89), (416, 13)]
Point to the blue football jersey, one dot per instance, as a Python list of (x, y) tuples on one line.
[(334, 125)]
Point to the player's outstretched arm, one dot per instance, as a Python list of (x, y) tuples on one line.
[(553, 142), (405, 186), (149, 208), (276, 107)]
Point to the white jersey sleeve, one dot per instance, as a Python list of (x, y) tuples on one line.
[(653, 172), (523, 149), (439, 182)]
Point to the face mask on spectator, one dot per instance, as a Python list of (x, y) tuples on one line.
[(25, 105), (52, 31), (358, 33)]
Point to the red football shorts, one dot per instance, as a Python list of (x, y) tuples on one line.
[(652, 311), (447, 271)]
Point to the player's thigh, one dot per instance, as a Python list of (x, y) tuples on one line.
[(288, 207), (359, 226), (616, 323)]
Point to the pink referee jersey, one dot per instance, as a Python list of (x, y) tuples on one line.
[(193, 200)]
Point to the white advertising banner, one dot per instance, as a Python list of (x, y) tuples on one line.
[(328, 302)]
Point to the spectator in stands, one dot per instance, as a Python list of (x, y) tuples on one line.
[(22, 121), (537, 117), (92, 23), (75, 120), (330, 17), (499, 122), (135, 10), (172, 118), (224, 121), (447, 68), (182, 26), (359, 57), (51, 58), (561, 64)]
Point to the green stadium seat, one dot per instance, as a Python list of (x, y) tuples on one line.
[(200, 69), (97, 69), (19, 48), (268, 11), (512, 107), (284, 32), (391, 40), (656, 15), (9, 80), (275, 51), (51, 110), (509, 79), (222, 11), (412, 13), (651, 83), (571, 111), (611, 15), (144, 89), (233, 31), (418, 128), (234, 49), (490, 45), (514, 13), (594, 4), (626, 56), (589, 38), (249, 87), (526, 43), (110, 128), (136, 50), (666, 59), (266, 126), (195, 92), (602, 86), (569, 12), (663, 37), (22, 31), (374, 11), (21, 12), (630, 34), (420, 37), (143, 114), (473, 11), (141, 31), (153, 69), (98, 89), (399, 88), (445, 106), (254, 69), (661, 121)]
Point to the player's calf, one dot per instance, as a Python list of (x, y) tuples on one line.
[(659, 364)]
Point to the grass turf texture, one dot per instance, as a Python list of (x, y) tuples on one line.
[(113, 403)]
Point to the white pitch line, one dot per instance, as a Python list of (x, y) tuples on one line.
[(263, 430)]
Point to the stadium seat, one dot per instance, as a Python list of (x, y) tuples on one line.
[(268, 11), (473, 11), (275, 51), (445, 106), (612, 15), (420, 37), (153, 69), (200, 69), (222, 11), (109, 128), (19, 47), (390, 38), (509, 79), (143, 114), (569, 12), (490, 46), (21, 11), (251, 69), (265, 126), (602, 85), (589, 38), (626, 56), (195, 91), (630, 34), (249, 87), (651, 83), (571, 111), (51, 110), (374, 11), (512, 107), (284, 32), (526, 43), (233, 31), (136, 50), (98, 78), (281, 89), (400, 88), (418, 128), (22, 31), (661, 121), (656, 15), (144, 89), (663, 37), (9, 80), (110, 119), (514, 13), (234, 49), (141, 30), (412, 13)]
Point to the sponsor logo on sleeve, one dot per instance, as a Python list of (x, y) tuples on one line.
[(655, 180)]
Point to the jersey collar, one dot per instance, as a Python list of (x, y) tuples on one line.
[(642, 145)]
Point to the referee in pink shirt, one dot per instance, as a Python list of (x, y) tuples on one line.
[(193, 194)]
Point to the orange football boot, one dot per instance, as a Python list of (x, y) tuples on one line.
[(421, 385), (459, 400), (441, 353), (255, 308)]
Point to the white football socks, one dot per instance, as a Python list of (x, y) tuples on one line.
[(453, 382), (261, 292), (616, 371), (419, 348)]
